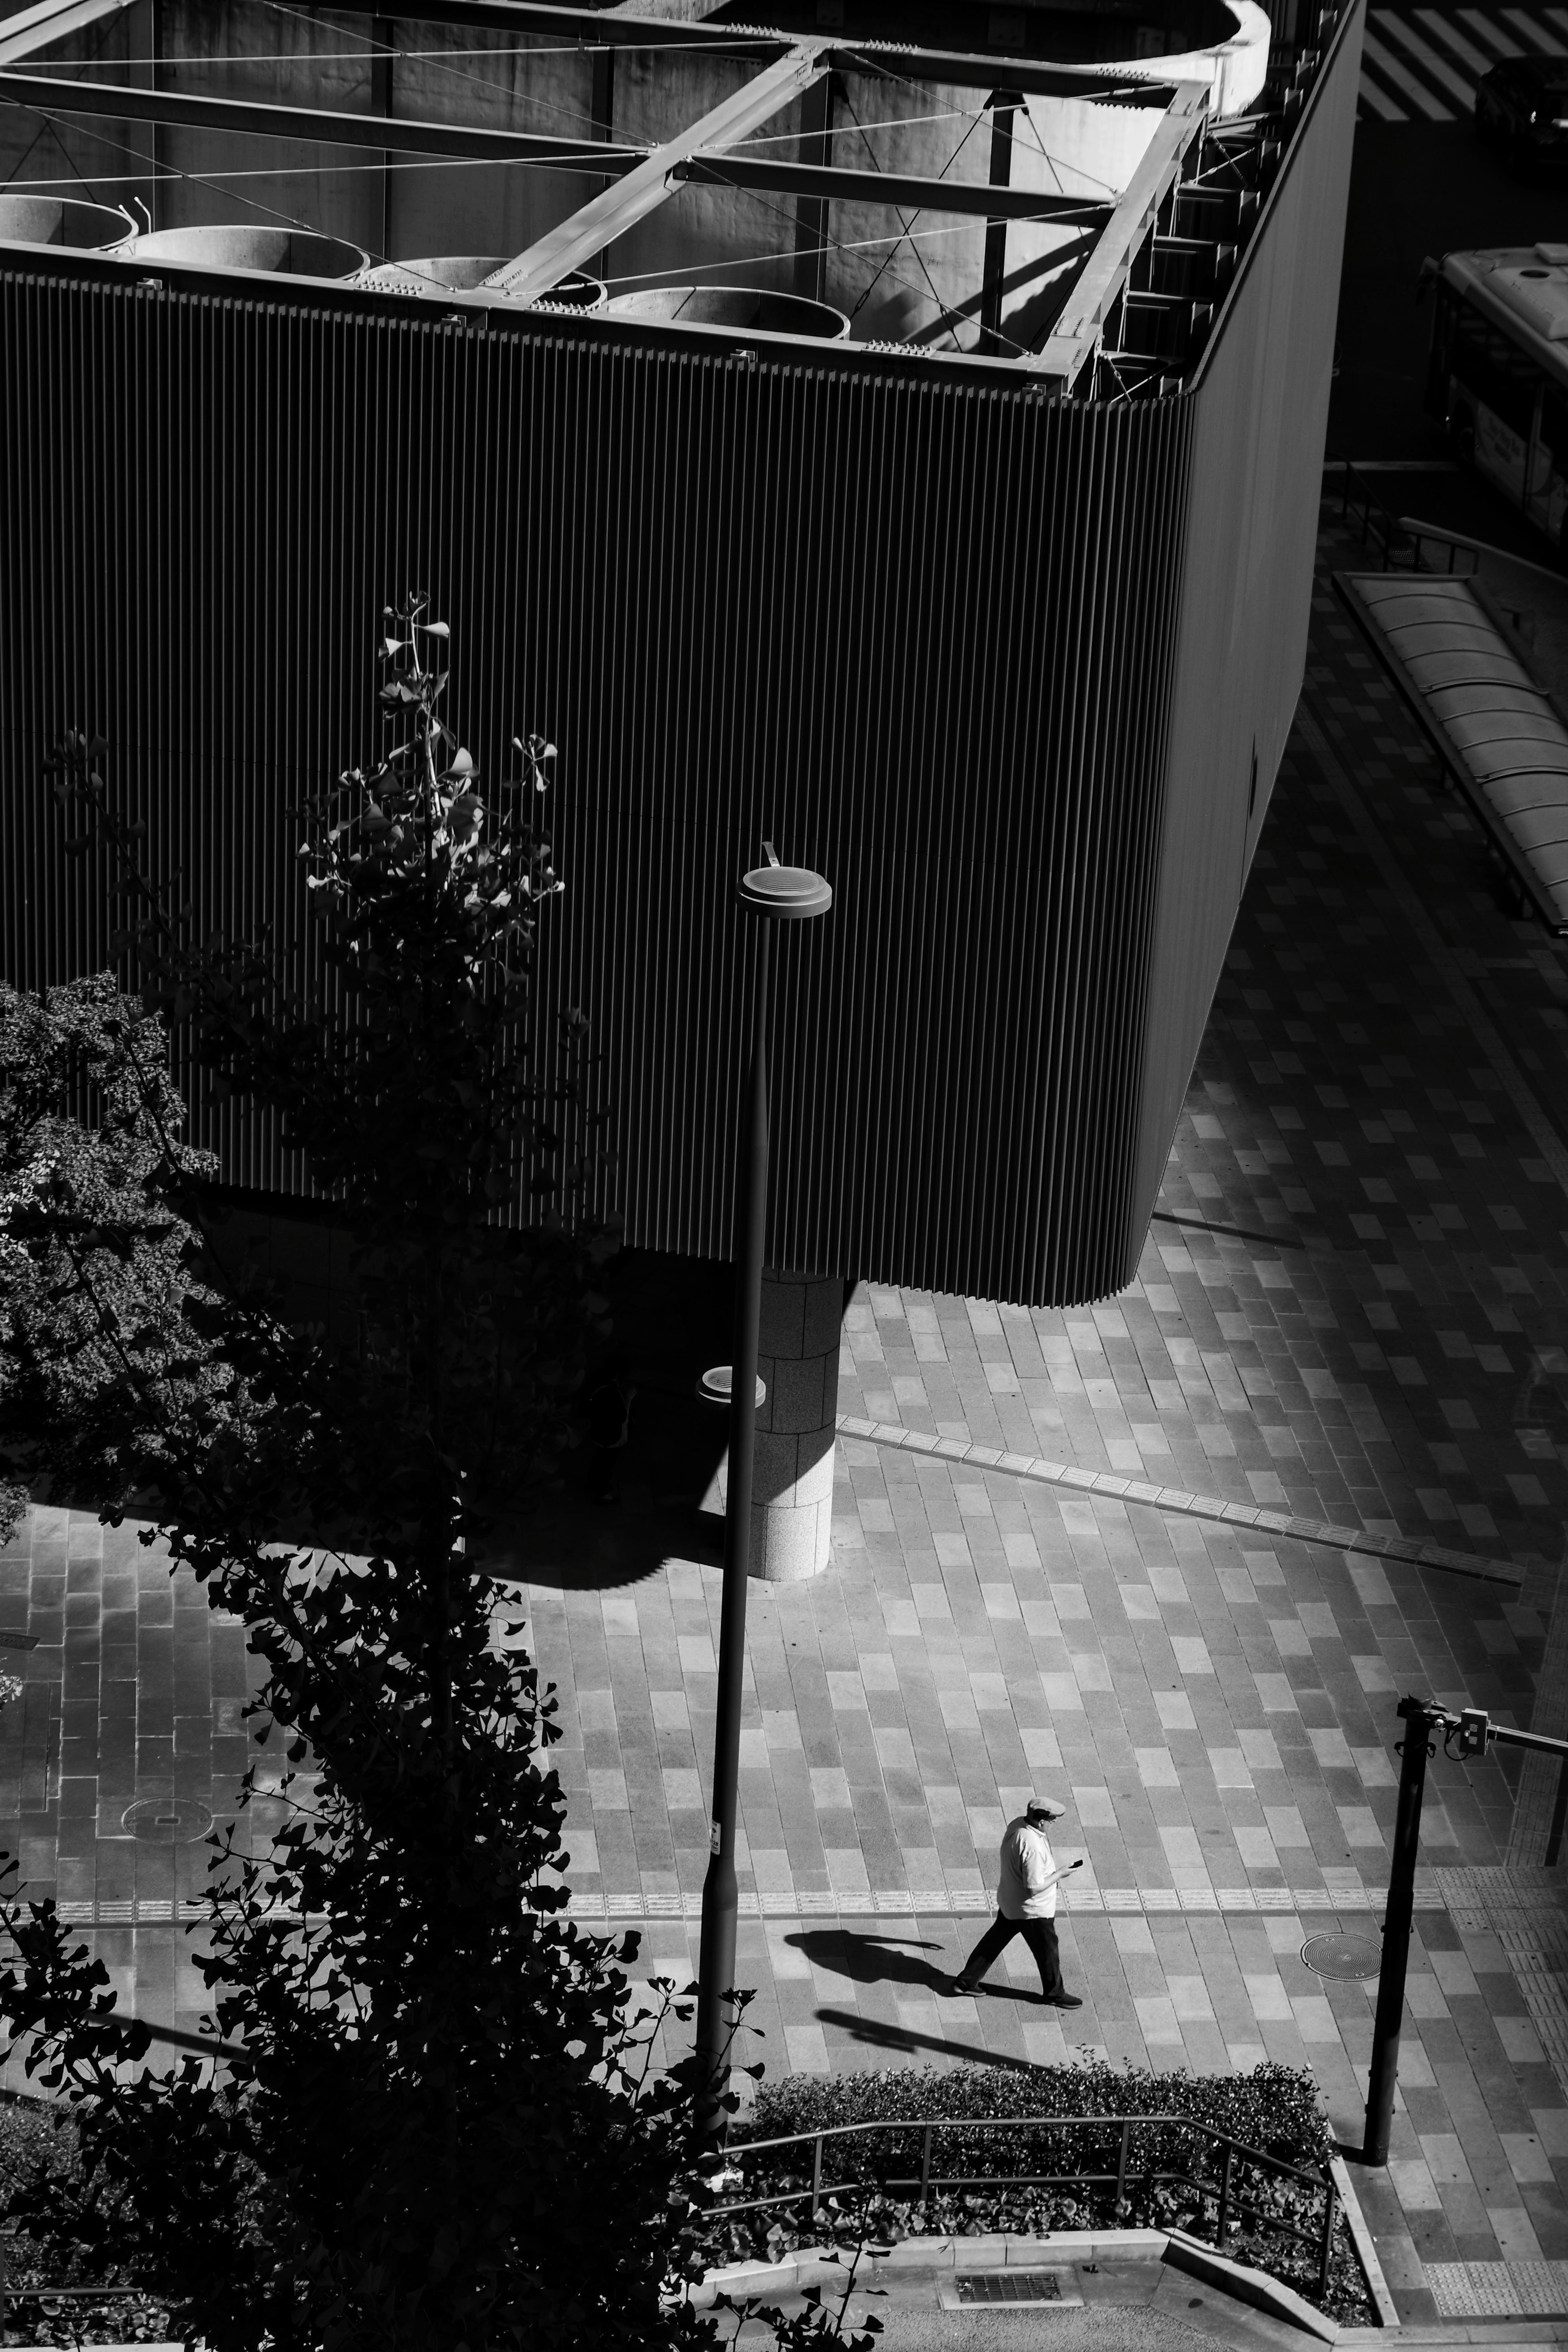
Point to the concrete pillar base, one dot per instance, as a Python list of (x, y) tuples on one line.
[(792, 1490), (792, 1496)]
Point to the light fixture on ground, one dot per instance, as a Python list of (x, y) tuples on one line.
[(778, 894)]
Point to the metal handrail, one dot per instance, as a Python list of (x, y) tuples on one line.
[(1223, 2191), (1378, 521)]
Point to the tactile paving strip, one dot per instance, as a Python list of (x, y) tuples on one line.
[(1343, 1895), (1498, 2289), (1528, 1913)]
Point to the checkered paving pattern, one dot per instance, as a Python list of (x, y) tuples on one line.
[(1350, 1312), (133, 1698)]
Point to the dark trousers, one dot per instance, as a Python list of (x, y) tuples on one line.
[(1040, 1935)]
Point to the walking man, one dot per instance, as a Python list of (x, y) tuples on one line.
[(1025, 1906)]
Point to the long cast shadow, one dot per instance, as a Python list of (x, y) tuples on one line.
[(871, 1958), (871, 2030)]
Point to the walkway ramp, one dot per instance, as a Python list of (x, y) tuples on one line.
[(1502, 738)]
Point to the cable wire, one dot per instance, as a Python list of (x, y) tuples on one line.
[(171, 171)]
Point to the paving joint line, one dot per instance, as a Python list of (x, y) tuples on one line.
[(1110, 1487)]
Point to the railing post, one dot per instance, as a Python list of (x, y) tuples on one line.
[(815, 2175), (1224, 2220), (1121, 2168), (925, 2168), (1330, 2214)]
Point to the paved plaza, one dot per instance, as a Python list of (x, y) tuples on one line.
[(1349, 1314)]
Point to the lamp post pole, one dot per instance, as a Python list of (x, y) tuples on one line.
[(776, 893), (1389, 2019)]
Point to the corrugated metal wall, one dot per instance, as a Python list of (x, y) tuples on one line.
[(919, 631), (1262, 409), (915, 633)]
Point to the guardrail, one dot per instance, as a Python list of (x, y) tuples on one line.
[(1380, 526), (1127, 2173)]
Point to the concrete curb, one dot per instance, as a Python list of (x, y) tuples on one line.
[(809, 2265), (815, 2265), (1404, 1550), (1270, 2295), (1361, 2238)]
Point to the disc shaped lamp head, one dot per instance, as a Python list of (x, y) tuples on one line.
[(788, 893)]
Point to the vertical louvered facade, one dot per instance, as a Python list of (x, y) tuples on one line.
[(923, 627)]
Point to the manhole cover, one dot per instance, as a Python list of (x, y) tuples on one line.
[(165, 1821), (1342, 1956)]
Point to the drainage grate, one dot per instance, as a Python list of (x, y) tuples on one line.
[(1009, 2286)]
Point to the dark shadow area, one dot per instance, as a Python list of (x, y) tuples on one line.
[(891, 1960), (670, 1320), (870, 1959), (878, 2036), (575, 1545), (1416, 189)]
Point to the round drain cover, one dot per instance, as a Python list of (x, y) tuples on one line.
[(1342, 1956), (167, 1821)]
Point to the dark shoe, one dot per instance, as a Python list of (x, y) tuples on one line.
[(954, 1987), (1061, 2001)]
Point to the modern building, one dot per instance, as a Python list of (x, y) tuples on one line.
[(895, 435)]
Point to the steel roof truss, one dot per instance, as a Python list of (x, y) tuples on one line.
[(906, 193), (575, 240), (31, 29), (1081, 323), (54, 95)]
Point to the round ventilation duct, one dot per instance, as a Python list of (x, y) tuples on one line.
[(288, 252), (743, 307), (65, 220)]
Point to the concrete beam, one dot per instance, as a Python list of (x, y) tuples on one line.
[(585, 232)]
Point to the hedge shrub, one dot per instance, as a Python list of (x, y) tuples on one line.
[(1274, 2109), (36, 2136)]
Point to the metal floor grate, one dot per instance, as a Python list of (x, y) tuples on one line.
[(1009, 2286)]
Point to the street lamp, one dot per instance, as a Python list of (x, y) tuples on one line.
[(779, 894)]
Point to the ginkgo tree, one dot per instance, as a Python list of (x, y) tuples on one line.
[(445, 2128)]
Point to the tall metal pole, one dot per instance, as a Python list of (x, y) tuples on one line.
[(716, 1968), (1390, 2015)]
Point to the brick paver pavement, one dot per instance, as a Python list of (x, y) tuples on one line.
[(1350, 1309)]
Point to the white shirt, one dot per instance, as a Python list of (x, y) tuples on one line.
[(1026, 1861)]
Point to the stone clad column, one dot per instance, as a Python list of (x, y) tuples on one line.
[(792, 1496)]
